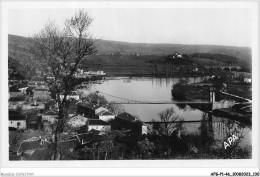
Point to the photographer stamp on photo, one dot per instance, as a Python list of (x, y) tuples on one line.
[(230, 140)]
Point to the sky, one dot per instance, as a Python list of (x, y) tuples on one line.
[(216, 26)]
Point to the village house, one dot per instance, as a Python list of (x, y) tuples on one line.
[(71, 95), (179, 56), (15, 91), (26, 105), (41, 93), (29, 91), (247, 80), (86, 110), (34, 122), (49, 119), (126, 117), (103, 114), (22, 88), (17, 120), (36, 81), (87, 124), (77, 121), (98, 124)]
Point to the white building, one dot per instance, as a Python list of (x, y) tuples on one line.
[(71, 95), (179, 56), (18, 124), (17, 120), (98, 124), (144, 129), (104, 114), (98, 110), (247, 80)]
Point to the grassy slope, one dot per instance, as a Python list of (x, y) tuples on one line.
[(19, 50)]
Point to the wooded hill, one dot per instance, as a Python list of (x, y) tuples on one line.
[(123, 54)]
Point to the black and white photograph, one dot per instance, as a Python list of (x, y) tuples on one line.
[(115, 83)]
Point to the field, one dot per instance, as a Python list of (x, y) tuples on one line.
[(241, 90)]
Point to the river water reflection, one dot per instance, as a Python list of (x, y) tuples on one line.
[(147, 89), (158, 89)]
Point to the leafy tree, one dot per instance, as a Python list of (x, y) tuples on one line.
[(59, 53), (145, 146), (14, 138), (95, 99), (115, 108), (100, 101), (179, 90)]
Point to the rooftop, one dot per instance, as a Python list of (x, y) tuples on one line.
[(40, 89), (97, 122), (85, 105), (78, 117), (96, 132), (128, 117), (72, 93), (25, 146), (30, 88), (51, 113), (15, 115), (14, 88), (104, 113), (37, 78)]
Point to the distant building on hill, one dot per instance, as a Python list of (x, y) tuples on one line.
[(247, 80)]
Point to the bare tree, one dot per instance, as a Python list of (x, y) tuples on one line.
[(59, 53), (171, 121)]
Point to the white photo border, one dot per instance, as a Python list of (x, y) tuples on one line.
[(124, 167)]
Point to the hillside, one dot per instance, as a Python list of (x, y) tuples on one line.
[(242, 53), (120, 58), (21, 44)]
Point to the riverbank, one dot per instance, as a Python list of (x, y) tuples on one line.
[(242, 90), (233, 115)]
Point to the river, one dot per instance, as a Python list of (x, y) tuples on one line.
[(147, 89), (156, 89)]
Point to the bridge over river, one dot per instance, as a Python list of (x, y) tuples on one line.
[(215, 105)]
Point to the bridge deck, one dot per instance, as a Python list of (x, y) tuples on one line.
[(188, 121), (232, 95)]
